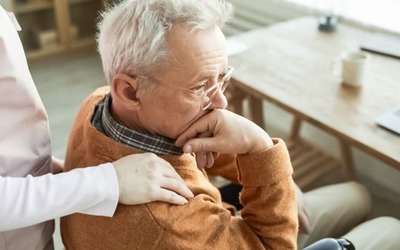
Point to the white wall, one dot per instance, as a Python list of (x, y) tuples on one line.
[(252, 14), (6, 4)]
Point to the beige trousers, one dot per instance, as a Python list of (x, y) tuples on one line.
[(337, 211), (381, 233)]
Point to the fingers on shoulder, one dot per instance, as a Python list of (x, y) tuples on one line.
[(170, 197)]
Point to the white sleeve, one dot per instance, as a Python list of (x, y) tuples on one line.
[(29, 200)]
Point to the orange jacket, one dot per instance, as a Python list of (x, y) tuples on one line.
[(269, 216)]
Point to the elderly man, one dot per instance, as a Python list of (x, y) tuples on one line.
[(167, 68)]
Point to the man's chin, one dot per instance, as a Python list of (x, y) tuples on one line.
[(204, 113)]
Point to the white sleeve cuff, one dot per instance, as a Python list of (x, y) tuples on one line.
[(106, 181)]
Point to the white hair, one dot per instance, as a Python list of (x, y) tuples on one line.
[(132, 34)]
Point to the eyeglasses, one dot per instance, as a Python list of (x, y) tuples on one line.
[(209, 94), (206, 95)]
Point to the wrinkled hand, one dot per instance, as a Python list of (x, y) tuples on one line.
[(205, 159), (230, 134), (304, 221), (145, 178)]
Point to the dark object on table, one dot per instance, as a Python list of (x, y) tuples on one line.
[(328, 23), (382, 43)]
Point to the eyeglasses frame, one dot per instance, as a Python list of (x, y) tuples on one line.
[(222, 84)]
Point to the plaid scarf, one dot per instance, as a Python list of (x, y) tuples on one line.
[(105, 123)]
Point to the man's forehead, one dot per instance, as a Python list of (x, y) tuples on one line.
[(186, 47)]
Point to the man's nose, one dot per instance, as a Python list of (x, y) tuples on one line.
[(219, 101)]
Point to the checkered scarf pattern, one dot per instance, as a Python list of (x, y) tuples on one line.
[(105, 123)]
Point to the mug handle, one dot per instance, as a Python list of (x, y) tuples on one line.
[(336, 70)]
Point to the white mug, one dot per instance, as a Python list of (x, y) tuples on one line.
[(354, 66)]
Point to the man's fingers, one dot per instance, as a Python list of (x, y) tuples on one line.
[(210, 159), (201, 160), (206, 159), (203, 125), (215, 155), (203, 145), (188, 134)]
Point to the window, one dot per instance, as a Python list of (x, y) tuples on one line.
[(382, 14)]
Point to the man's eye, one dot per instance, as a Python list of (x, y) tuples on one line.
[(200, 88)]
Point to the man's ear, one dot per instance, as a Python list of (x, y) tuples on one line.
[(124, 91)]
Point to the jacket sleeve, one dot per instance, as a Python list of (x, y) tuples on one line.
[(268, 219), (268, 197), (29, 200), (225, 166)]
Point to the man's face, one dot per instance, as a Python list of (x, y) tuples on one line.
[(198, 59)]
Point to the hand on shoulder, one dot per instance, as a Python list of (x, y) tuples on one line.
[(146, 177)]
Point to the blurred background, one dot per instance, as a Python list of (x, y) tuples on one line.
[(59, 39)]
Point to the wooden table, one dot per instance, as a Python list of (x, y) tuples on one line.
[(288, 64)]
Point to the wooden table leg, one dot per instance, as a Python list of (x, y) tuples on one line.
[(235, 98), (295, 129), (256, 111), (347, 160)]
